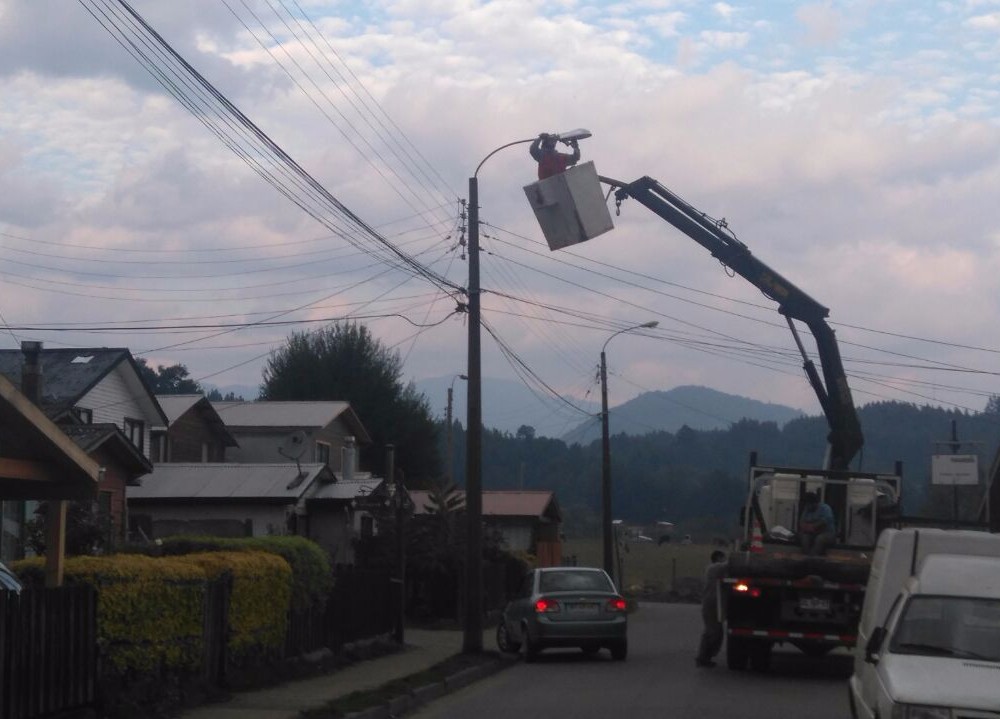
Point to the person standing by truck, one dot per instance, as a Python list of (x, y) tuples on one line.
[(817, 526), (712, 635)]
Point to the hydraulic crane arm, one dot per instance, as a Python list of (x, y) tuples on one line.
[(845, 437)]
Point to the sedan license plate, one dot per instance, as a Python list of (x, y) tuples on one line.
[(584, 609), (814, 604)]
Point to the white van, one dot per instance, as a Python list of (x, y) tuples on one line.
[(929, 638)]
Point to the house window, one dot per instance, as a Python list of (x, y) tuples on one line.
[(135, 430), (86, 416), (323, 453)]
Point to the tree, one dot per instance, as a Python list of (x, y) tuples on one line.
[(344, 362), (214, 395), (993, 405), (168, 380), (525, 431)]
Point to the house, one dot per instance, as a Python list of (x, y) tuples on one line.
[(529, 520), (98, 387), (291, 431), (194, 431), (37, 462), (259, 499)]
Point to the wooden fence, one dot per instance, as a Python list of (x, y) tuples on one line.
[(48, 651), (361, 605)]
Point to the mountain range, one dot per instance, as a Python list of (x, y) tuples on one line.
[(509, 405)]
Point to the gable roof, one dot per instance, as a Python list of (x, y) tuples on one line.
[(265, 414), (37, 460), (539, 504), (362, 485), (91, 437), (176, 406), (68, 374), (273, 482)]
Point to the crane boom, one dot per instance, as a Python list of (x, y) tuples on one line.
[(845, 437)]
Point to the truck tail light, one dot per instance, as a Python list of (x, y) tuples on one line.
[(744, 588)]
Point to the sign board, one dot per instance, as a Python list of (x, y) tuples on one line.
[(954, 469), (570, 206)]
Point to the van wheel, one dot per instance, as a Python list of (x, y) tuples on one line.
[(737, 653)]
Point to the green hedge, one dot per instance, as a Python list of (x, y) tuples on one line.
[(312, 575), (150, 610)]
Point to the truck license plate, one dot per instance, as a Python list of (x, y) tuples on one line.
[(814, 604)]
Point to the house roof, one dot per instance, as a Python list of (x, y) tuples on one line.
[(265, 414), (68, 374), (176, 406), (37, 459), (540, 504), (362, 485), (91, 437), (214, 481)]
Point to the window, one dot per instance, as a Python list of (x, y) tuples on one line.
[(86, 416), (323, 453), (135, 430)]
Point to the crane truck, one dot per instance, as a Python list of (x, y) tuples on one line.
[(773, 593)]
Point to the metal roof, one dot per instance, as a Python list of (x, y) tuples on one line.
[(266, 413), (176, 406), (362, 485), (214, 481), (503, 503)]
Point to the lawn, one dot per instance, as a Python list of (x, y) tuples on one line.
[(646, 565)]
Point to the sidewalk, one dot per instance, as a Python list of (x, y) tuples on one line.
[(424, 648)]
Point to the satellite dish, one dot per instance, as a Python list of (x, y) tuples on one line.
[(293, 447)]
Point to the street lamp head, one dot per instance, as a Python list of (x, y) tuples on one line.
[(577, 134)]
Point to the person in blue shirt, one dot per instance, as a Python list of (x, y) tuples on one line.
[(817, 526)]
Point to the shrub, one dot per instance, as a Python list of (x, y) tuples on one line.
[(312, 577)]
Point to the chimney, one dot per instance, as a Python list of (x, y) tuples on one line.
[(348, 459), (31, 372)]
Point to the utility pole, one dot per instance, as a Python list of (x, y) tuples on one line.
[(449, 452), (472, 640), (396, 492), (606, 473)]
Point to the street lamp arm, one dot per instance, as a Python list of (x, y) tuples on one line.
[(502, 147), (644, 325)]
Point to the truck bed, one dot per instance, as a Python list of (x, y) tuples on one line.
[(837, 565)]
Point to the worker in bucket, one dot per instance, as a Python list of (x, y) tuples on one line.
[(817, 525), (551, 161)]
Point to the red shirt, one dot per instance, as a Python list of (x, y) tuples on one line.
[(552, 163)]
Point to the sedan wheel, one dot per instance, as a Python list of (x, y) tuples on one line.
[(505, 642)]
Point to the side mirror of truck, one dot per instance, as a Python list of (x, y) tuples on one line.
[(874, 645)]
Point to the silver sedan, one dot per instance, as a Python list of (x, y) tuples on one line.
[(565, 607)]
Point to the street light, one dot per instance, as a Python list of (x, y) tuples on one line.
[(472, 641), (606, 455)]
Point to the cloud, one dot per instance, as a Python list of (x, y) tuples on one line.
[(823, 25)]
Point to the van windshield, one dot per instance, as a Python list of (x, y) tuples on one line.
[(960, 627)]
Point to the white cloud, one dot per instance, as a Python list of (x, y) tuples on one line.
[(989, 22), (822, 23), (725, 40)]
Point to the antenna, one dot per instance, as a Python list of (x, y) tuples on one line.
[(293, 447)]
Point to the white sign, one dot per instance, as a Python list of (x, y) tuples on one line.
[(954, 469)]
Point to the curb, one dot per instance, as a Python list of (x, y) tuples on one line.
[(422, 696)]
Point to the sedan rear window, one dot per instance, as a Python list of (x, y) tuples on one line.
[(571, 581)]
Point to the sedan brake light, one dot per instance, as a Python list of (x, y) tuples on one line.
[(545, 606), (618, 604)]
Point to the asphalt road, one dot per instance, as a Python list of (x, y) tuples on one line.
[(659, 679)]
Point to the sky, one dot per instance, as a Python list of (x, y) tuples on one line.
[(850, 144)]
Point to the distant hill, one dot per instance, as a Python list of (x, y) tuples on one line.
[(506, 406), (697, 407)]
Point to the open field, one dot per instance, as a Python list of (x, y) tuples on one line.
[(647, 565)]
